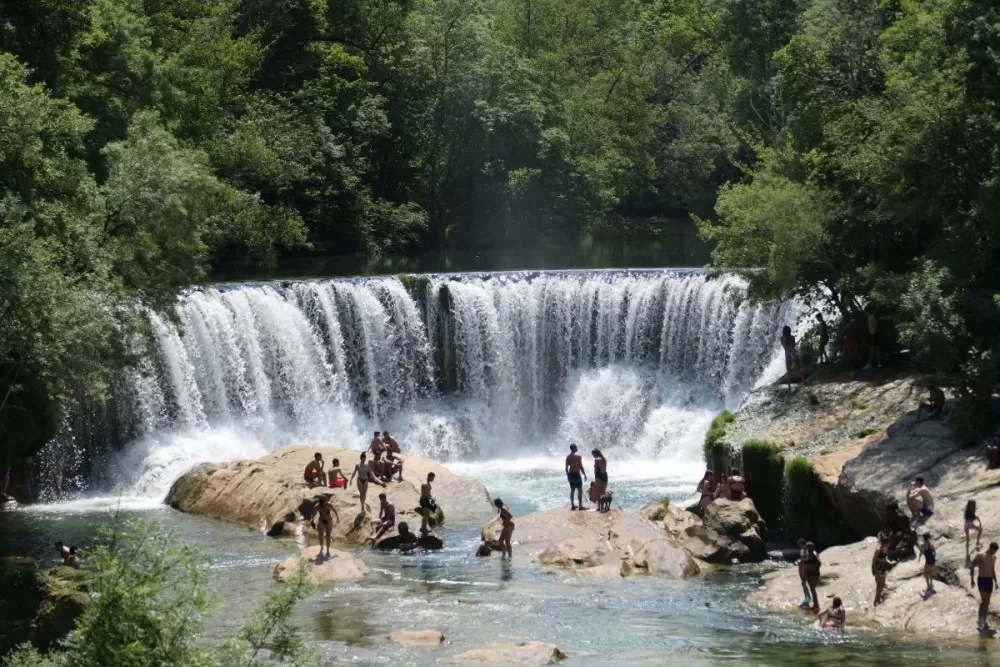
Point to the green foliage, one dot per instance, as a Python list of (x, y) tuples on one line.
[(715, 449), (974, 419), (764, 469), (810, 513), (150, 597), (930, 323), (660, 513)]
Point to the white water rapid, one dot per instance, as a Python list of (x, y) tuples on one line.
[(464, 368)]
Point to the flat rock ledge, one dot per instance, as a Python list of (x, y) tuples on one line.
[(416, 637), (270, 495), (524, 653), (607, 545), (338, 566), (846, 572)]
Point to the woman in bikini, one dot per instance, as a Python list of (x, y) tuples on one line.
[(880, 569), (929, 555), (972, 523), (834, 617), (600, 473), (364, 473), (507, 530), (707, 490), (324, 522)]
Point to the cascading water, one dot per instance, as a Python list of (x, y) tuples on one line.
[(458, 367)]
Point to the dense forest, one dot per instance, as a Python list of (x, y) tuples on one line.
[(844, 150)]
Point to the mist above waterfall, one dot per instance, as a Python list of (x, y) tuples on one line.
[(458, 367)]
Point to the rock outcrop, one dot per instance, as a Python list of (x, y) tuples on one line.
[(610, 544), (338, 566), (38, 605), (269, 494), (691, 534), (416, 637), (525, 653), (739, 521), (846, 572)]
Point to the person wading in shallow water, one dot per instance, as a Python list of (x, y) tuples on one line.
[(507, 528), (986, 582), (575, 474)]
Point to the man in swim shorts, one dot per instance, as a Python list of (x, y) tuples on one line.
[(377, 446), (338, 480), (575, 473), (427, 504), (986, 582), (314, 473), (919, 499), (390, 443), (386, 518)]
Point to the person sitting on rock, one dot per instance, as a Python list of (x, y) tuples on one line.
[(314, 473), (377, 446), (835, 617), (338, 480), (72, 559), (390, 443), (722, 488), (812, 568), (427, 504), (934, 405), (382, 469), (394, 465), (737, 485), (919, 500), (386, 518), (706, 489)]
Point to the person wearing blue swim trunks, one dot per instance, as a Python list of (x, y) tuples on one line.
[(986, 582), (575, 473)]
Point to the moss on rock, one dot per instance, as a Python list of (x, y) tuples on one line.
[(40, 606)]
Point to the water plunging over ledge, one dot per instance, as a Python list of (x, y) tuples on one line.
[(459, 367)]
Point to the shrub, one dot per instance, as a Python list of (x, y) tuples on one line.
[(764, 469), (975, 419), (661, 512), (716, 450)]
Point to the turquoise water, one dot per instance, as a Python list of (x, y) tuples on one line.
[(476, 602)]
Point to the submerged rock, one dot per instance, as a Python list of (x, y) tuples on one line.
[(609, 544), (270, 494), (338, 566), (417, 637), (524, 653), (37, 605)]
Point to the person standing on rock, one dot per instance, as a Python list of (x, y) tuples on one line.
[(874, 339), (928, 553), (972, 523), (314, 473), (324, 522), (824, 338), (600, 474), (880, 569), (812, 567), (986, 582), (792, 362), (506, 529), (806, 594), (575, 474), (363, 472), (427, 504), (707, 490)]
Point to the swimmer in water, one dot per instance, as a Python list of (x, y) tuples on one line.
[(834, 617)]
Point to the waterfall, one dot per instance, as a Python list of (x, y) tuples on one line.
[(458, 367)]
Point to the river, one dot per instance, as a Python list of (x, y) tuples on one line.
[(491, 374)]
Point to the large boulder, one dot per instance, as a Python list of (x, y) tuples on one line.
[(608, 544), (690, 533), (416, 637), (846, 573), (524, 653), (739, 521), (269, 494), (338, 566)]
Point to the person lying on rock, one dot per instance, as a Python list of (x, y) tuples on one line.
[(986, 582), (314, 473), (706, 489), (386, 518), (325, 514), (812, 568), (427, 504), (934, 405), (737, 485), (338, 480), (919, 500), (390, 443)]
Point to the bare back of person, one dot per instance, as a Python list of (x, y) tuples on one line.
[(574, 462)]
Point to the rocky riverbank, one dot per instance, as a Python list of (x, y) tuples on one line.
[(269, 494), (860, 434)]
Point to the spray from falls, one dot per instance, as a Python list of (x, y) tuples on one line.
[(458, 367)]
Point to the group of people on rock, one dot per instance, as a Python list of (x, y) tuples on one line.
[(733, 487), (898, 542), (576, 473), (871, 329)]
